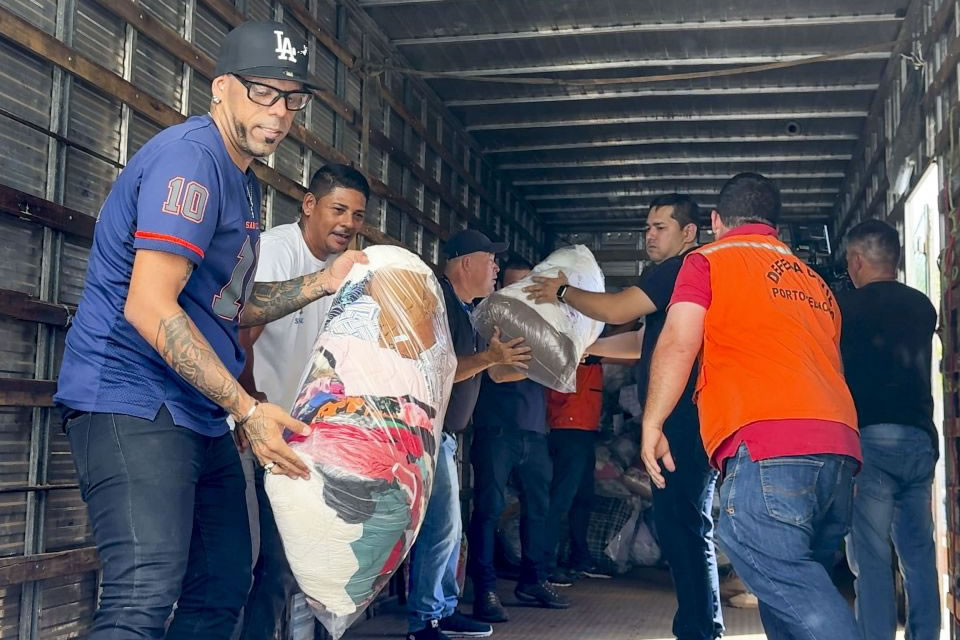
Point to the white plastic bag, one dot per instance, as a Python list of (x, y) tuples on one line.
[(557, 334), (629, 400), (374, 392), (645, 552), (619, 548)]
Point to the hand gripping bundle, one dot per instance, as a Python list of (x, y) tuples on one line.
[(557, 334), (374, 394)]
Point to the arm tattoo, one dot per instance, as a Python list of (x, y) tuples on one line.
[(272, 300), (190, 355)]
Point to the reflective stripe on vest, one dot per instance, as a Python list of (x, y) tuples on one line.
[(771, 341)]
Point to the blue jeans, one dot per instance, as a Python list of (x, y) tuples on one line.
[(782, 521), (170, 524), (496, 452), (434, 591), (683, 514), (893, 503)]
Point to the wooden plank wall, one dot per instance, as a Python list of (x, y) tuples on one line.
[(86, 83)]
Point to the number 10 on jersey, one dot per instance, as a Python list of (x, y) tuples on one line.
[(187, 199)]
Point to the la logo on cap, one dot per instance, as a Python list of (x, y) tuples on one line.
[(285, 49)]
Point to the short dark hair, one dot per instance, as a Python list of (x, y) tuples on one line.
[(685, 209), (877, 240), (514, 263), (749, 198), (330, 176)]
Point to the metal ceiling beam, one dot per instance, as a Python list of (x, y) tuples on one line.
[(593, 144), (390, 3), (670, 117), (619, 162), (574, 225), (785, 205), (650, 27), (660, 93), (646, 177), (710, 61), (648, 193)]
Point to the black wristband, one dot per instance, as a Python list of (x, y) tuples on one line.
[(562, 289)]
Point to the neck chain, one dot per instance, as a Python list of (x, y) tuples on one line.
[(249, 192)]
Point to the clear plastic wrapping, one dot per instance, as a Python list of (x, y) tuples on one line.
[(374, 393), (557, 334)]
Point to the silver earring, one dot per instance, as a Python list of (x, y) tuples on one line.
[(215, 100)]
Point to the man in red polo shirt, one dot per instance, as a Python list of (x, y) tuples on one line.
[(775, 413)]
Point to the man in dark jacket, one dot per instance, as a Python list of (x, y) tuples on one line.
[(470, 273)]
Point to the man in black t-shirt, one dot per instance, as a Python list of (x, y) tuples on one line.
[(887, 343), (682, 511)]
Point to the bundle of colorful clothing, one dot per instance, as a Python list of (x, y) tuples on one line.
[(374, 394)]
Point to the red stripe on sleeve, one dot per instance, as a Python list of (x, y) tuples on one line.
[(149, 235)]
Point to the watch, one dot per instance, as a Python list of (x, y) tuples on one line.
[(562, 289)]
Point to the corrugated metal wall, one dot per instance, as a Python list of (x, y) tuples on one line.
[(86, 84)]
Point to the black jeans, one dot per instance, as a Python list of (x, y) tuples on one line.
[(683, 516), (496, 452), (170, 524), (273, 582), (571, 495)]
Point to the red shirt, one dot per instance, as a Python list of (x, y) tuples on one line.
[(768, 438)]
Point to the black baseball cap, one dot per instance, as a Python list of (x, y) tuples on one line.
[(470, 241), (265, 49)]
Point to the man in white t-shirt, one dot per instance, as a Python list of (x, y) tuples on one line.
[(277, 353)]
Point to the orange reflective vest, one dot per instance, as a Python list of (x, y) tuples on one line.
[(771, 348), (581, 409)]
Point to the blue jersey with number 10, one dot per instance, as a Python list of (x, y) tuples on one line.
[(182, 194)]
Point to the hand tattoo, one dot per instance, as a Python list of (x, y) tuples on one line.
[(255, 429)]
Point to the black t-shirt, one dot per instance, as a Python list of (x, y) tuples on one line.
[(887, 344), (658, 282), (512, 405), (466, 342)]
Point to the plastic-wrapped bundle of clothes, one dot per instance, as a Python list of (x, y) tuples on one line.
[(557, 334), (374, 394)]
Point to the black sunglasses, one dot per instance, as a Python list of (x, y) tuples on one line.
[(267, 96)]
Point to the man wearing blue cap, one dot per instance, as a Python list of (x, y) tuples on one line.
[(470, 273), (150, 365)]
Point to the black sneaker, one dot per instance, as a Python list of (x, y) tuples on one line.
[(460, 626), (487, 607), (543, 594), (430, 632), (563, 578)]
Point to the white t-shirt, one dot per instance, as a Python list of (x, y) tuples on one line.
[(284, 347)]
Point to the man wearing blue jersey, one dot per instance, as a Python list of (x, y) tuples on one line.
[(149, 371)]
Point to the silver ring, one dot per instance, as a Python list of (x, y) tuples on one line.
[(269, 467)]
